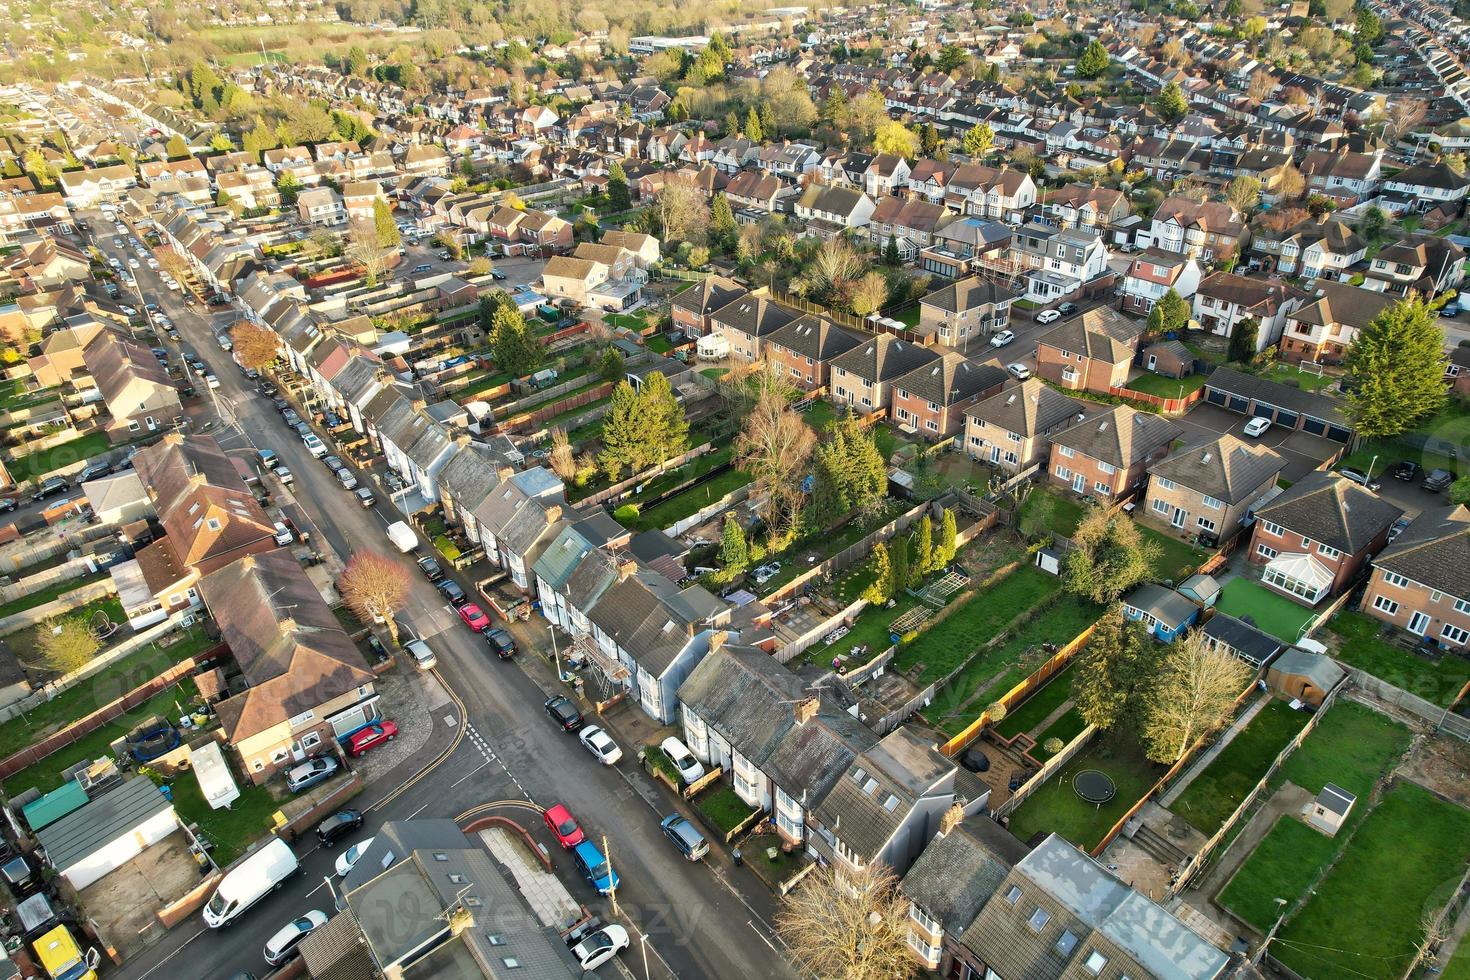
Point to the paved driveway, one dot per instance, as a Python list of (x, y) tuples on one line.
[(1304, 453)]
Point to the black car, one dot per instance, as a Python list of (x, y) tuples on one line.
[(337, 826), (1067, 309), (50, 487), (1438, 480), (1406, 469), (8, 504), (451, 591), (430, 568), (502, 643), (497, 274), (564, 713)]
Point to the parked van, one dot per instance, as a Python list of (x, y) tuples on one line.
[(250, 881), (63, 959)]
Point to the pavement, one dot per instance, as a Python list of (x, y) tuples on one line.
[(1304, 453), (699, 919)]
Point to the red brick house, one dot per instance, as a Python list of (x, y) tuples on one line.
[(863, 378), (1092, 352), (932, 399), (803, 350), (1421, 582), (1108, 455), (691, 309)]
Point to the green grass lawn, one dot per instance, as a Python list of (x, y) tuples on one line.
[(1215, 793), (820, 415), (682, 505), (1459, 965), (714, 372), (1064, 729), (870, 629), (232, 830), (1410, 847), (981, 616), (1282, 866), (659, 344), (1056, 807), (51, 592), (1271, 611), (1050, 508), (1035, 709), (40, 463), (722, 807), (1288, 374), (1177, 559), (1162, 387), (1437, 682)]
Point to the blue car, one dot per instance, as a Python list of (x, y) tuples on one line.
[(594, 867)]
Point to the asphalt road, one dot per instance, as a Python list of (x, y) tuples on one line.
[(696, 920)]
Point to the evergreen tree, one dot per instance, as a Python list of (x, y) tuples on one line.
[(768, 121), (898, 559), (288, 186), (664, 416), (753, 130), (877, 591), (948, 547), (979, 140), (1175, 311), (1397, 363), (1113, 673), (1170, 104), (722, 225), (890, 251), (1243, 340), (734, 549), (732, 123), (623, 432), (1094, 61), (176, 149), (618, 195), (511, 343), (835, 107), (924, 547), (928, 139), (384, 226)]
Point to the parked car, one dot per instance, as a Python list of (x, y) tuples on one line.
[(1407, 469), (283, 946), (347, 478), (430, 567), (8, 504), (292, 419), (564, 713), (1397, 529), (474, 617), (1437, 480), (685, 835), (333, 462), (1019, 371), (1361, 478), (594, 867), (689, 767), (305, 775), (337, 826), (501, 642), (371, 737), (1003, 337), (601, 946), (365, 496), (313, 444), (563, 826), (1257, 426), (764, 573), (1067, 309), (600, 744), (1048, 316), (284, 536), (284, 475), (50, 487), (93, 471), (422, 654), (348, 859), (450, 589)]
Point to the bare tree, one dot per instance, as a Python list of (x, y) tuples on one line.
[(1243, 193), (848, 925), (173, 263), (363, 248), (1260, 87), (774, 447), (255, 346), (682, 212), (1290, 184), (1193, 691), (869, 294), (66, 645), (1403, 117), (374, 586), (563, 460), (834, 266)]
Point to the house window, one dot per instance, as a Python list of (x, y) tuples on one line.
[(1436, 595), (1160, 506), (1327, 552), (1455, 634), (924, 919), (1461, 606), (1294, 586), (1039, 919), (1396, 580), (1213, 503), (1065, 452), (1165, 483), (1063, 473), (1385, 605), (1270, 528), (1206, 524), (1095, 963), (1266, 551), (1066, 943), (1014, 895), (310, 741), (1102, 488)]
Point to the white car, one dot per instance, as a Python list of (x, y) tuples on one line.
[(764, 573), (1048, 316), (1002, 338), (152, 263), (601, 946), (600, 744), (1257, 426), (283, 535), (314, 445), (211, 380), (689, 767), (1019, 371), (281, 948), (349, 857)]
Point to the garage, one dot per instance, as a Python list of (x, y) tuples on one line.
[(1315, 427), (1338, 434), (108, 832), (1216, 397), (1287, 420), (1263, 411)]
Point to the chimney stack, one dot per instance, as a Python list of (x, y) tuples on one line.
[(717, 640), (806, 710), (553, 514), (951, 818), (463, 439), (626, 568)]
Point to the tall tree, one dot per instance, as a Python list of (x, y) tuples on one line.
[(374, 586), (682, 212), (176, 148), (1170, 104), (1243, 339), (753, 130), (1397, 364), (948, 547), (928, 139), (1114, 670), (894, 137), (848, 473), (1109, 556), (1243, 193), (384, 227), (1174, 310), (849, 925), (512, 344), (1094, 60), (979, 139), (722, 227), (899, 570), (255, 346), (877, 591), (618, 195), (623, 432), (1192, 695), (774, 446), (734, 549), (924, 546)]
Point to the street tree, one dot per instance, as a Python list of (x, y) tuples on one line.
[(374, 587), (255, 346), (1191, 695), (1109, 558), (1397, 364), (774, 446), (66, 645), (845, 924), (1114, 670)]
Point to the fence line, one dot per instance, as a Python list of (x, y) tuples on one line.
[(1168, 406), (849, 555), (623, 486), (1444, 720), (1047, 770), (708, 510)]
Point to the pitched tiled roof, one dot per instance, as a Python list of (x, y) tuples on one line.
[(1027, 409), (884, 358), (1332, 510), (970, 293), (815, 337), (1233, 382), (1120, 436), (1434, 550), (958, 873), (951, 378), (1226, 468)]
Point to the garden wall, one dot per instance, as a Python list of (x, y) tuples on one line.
[(708, 511), (76, 597), (74, 568), (1168, 406), (534, 421), (1444, 720), (623, 486)]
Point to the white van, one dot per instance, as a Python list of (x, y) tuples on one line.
[(250, 881)]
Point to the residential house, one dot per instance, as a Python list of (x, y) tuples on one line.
[(972, 308), (745, 323), (1425, 187), (1322, 329), (910, 225), (1421, 582), (932, 398), (570, 278), (691, 310), (320, 206), (960, 870), (803, 350), (987, 192), (1108, 454), (139, 395), (1347, 177), (1316, 537), (1427, 265), (1087, 207), (1224, 299), (828, 210), (1312, 249), (886, 175), (1056, 263), (1091, 352), (965, 244), (863, 378), (360, 198), (1155, 272), (1204, 230), (1207, 490), (1011, 429)]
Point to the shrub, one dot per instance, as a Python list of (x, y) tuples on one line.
[(626, 513)]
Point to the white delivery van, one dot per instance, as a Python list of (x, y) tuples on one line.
[(250, 881), (402, 537)]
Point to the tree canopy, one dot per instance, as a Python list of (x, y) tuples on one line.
[(1397, 365)]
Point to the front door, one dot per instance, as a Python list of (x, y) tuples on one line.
[(1153, 362), (1179, 515), (1419, 623), (1079, 483)]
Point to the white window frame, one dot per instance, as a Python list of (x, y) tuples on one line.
[(1385, 605)]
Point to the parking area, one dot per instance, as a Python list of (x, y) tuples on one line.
[(1304, 453), (124, 902)]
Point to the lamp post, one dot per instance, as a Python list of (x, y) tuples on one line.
[(1261, 953), (555, 654)]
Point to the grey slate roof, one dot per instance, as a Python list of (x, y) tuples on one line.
[(1120, 436), (746, 696), (1165, 605), (1027, 409), (561, 557), (1226, 468), (1248, 642), (102, 820), (815, 337), (755, 316), (970, 293), (958, 873), (951, 378), (1332, 510), (879, 790), (1434, 550), (1302, 402), (649, 617), (884, 358)]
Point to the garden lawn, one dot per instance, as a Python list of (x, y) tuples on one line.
[(1288, 375), (1270, 611), (683, 504), (1439, 682), (40, 463), (1177, 559), (722, 808), (51, 592), (870, 629), (941, 648), (659, 344), (1283, 865), (1215, 793), (233, 830), (1064, 729), (1162, 387), (1059, 513), (820, 414), (1039, 706), (1404, 849), (1459, 965), (1056, 807)]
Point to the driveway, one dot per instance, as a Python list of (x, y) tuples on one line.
[(1304, 453)]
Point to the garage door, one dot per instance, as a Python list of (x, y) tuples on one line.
[(1315, 426), (355, 717), (1338, 434), (1238, 404), (1287, 419), (1263, 411), (1215, 396)]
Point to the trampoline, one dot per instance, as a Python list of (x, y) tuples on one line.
[(1094, 787)]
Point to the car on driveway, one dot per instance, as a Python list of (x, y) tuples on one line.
[(431, 569), (1407, 470), (1257, 426), (501, 642), (283, 947), (1361, 478), (600, 744), (474, 617), (601, 946), (1397, 529), (563, 826), (348, 859), (1048, 316), (1436, 481), (307, 774), (1002, 338), (685, 835), (564, 713), (93, 471), (689, 767), (337, 826), (594, 867), (371, 737), (1019, 371)]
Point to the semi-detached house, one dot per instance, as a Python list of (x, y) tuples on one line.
[(1421, 582)]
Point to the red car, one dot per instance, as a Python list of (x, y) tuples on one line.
[(371, 737), (559, 821), (474, 617)]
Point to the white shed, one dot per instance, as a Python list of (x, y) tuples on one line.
[(216, 781), (108, 832)]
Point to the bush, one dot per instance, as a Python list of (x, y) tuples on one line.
[(447, 548), (626, 513)]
